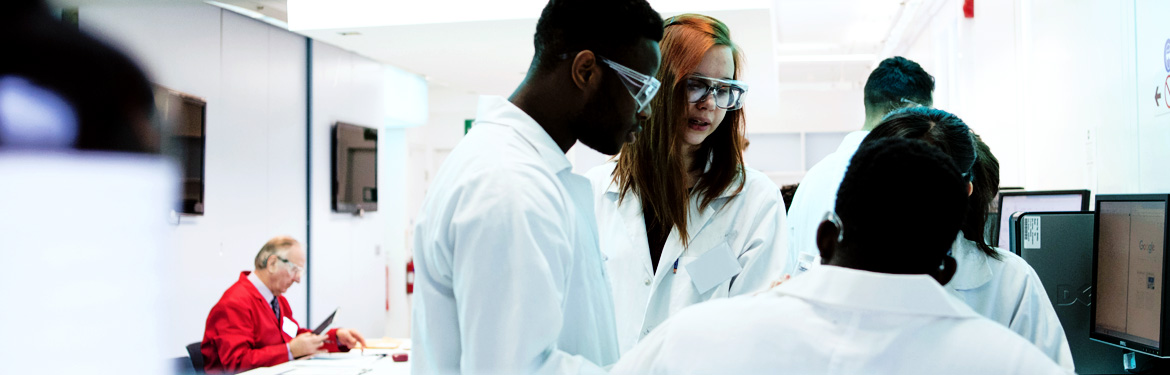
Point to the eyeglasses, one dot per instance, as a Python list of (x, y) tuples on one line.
[(296, 270), (728, 92), (641, 86)]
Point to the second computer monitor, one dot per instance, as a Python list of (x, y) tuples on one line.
[(1011, 202), (1129, 263)]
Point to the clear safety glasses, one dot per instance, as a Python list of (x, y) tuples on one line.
[(728, 93), (295, 269), (641, 86)]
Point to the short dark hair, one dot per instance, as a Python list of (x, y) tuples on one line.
[(606, 27), (898, 82), (937, 127), (901, 204)]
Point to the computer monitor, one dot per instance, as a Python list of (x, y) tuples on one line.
[(1011, 202), (1129, 263)]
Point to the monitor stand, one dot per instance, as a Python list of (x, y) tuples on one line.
[(1143, 364)]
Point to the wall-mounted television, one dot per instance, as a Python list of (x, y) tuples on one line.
[(185, 119), (355, 168)]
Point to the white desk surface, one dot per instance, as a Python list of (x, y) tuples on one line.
[(353, 364)]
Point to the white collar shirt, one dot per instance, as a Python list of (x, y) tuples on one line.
[(268, 298), (509, 275), (816, 195), (834, 320), (263, 289)]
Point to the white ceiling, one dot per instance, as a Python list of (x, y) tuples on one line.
[(492, 56)]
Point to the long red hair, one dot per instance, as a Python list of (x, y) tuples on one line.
[(652, 166)]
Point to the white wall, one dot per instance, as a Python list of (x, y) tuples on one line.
[(356, 262), (1053, 87), (253, 77)]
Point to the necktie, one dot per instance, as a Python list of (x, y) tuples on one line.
[(276, 309)]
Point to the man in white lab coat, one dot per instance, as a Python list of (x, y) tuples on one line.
[(896, 83), (876, 306), (509, 275)]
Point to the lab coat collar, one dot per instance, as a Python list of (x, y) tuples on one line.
[(631, 210), (851, 288), (852, 142), (973, 270), (498, 110)]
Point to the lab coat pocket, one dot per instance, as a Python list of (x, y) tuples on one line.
[(712, 268)]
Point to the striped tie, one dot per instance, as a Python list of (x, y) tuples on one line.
[(276, 309)]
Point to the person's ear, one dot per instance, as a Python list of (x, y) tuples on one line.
[(970, 188), (586, 71), (271, 265), (827, 234), (946, 270)]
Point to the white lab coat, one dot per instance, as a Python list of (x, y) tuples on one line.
[(834, 320), (509, 275), (1009, 292), (736, 247), (816, 195)]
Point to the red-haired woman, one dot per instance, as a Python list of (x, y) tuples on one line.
[(681, 219)]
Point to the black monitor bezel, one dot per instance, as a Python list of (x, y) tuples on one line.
[(172, 147), (335, 179), (999, 204), (1161, 351)]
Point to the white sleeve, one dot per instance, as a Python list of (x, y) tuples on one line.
[(1030, 361), (512, 258), (764, 254)]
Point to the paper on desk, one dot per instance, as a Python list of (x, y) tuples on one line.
[(324, 371), (338, 355), (355, 360), (383, 343)]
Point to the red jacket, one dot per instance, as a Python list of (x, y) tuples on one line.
[(242, 332)]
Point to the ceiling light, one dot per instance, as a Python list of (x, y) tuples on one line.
[(250, 13)]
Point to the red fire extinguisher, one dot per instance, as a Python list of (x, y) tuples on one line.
[(410, 276)]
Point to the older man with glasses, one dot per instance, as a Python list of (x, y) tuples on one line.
[(252, 325)]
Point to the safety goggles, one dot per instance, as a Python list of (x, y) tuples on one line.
[(641, 86), (296, 270), (728, 93)]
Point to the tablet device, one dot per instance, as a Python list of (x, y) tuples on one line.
[(321, 328)]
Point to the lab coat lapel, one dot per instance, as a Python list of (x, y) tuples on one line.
[(635, 223), (697, 220)]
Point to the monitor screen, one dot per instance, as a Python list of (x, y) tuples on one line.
[(185, 118), (355, 168), (1039, 201), (1129, 258)]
